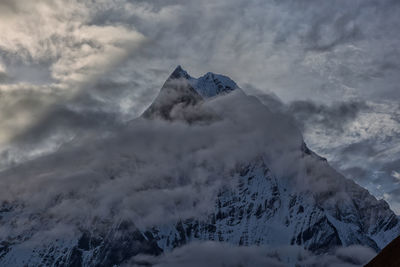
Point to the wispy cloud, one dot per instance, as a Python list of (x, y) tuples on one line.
[(70, 68)]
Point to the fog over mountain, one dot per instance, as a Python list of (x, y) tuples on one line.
[(83, 123), (72, 68), (204, 163)]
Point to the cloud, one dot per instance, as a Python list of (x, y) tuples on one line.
[(323, 53), (396, 175), (216, 254), (211, 254), (3, 74), (49, 67), (156, 172), (334, 117), (148, 171), (363, 148)]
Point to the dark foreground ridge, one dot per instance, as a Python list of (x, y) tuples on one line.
[(388, 257)]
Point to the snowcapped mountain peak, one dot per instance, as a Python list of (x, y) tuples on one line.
[(179, 73), (212, 84), (182, 90), (208, 85)]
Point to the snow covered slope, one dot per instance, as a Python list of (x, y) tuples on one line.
[(204, 162), (212, 84), (266, 210)]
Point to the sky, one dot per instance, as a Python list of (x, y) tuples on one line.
[(80, 68)]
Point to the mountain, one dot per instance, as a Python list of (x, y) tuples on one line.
[(205, 162)]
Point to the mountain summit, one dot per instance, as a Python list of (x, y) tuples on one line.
[(208, 85), (179, 73), (182, 90)]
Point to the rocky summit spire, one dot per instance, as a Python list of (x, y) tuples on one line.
[(176, 93), (182, 90), (179, 73)]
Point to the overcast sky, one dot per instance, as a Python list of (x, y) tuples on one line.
[(77, 68)]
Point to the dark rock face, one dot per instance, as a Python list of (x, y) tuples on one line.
[(116, 247), (4, 248), (321, 230)]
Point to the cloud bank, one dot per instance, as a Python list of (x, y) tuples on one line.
[(148, 171), (216, 254), (72, 69)]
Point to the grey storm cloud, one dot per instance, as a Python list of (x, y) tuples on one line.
[(333, 117), (357, 173), (392, 166), (365, 148), (153, 172), (72, 69), (3, 77), (323, 53)]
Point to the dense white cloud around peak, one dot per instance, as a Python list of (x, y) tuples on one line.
[(155, 172), (151, 171), (76, 68)]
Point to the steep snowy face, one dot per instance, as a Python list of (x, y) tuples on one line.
[(267, 210), (211, 85)]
